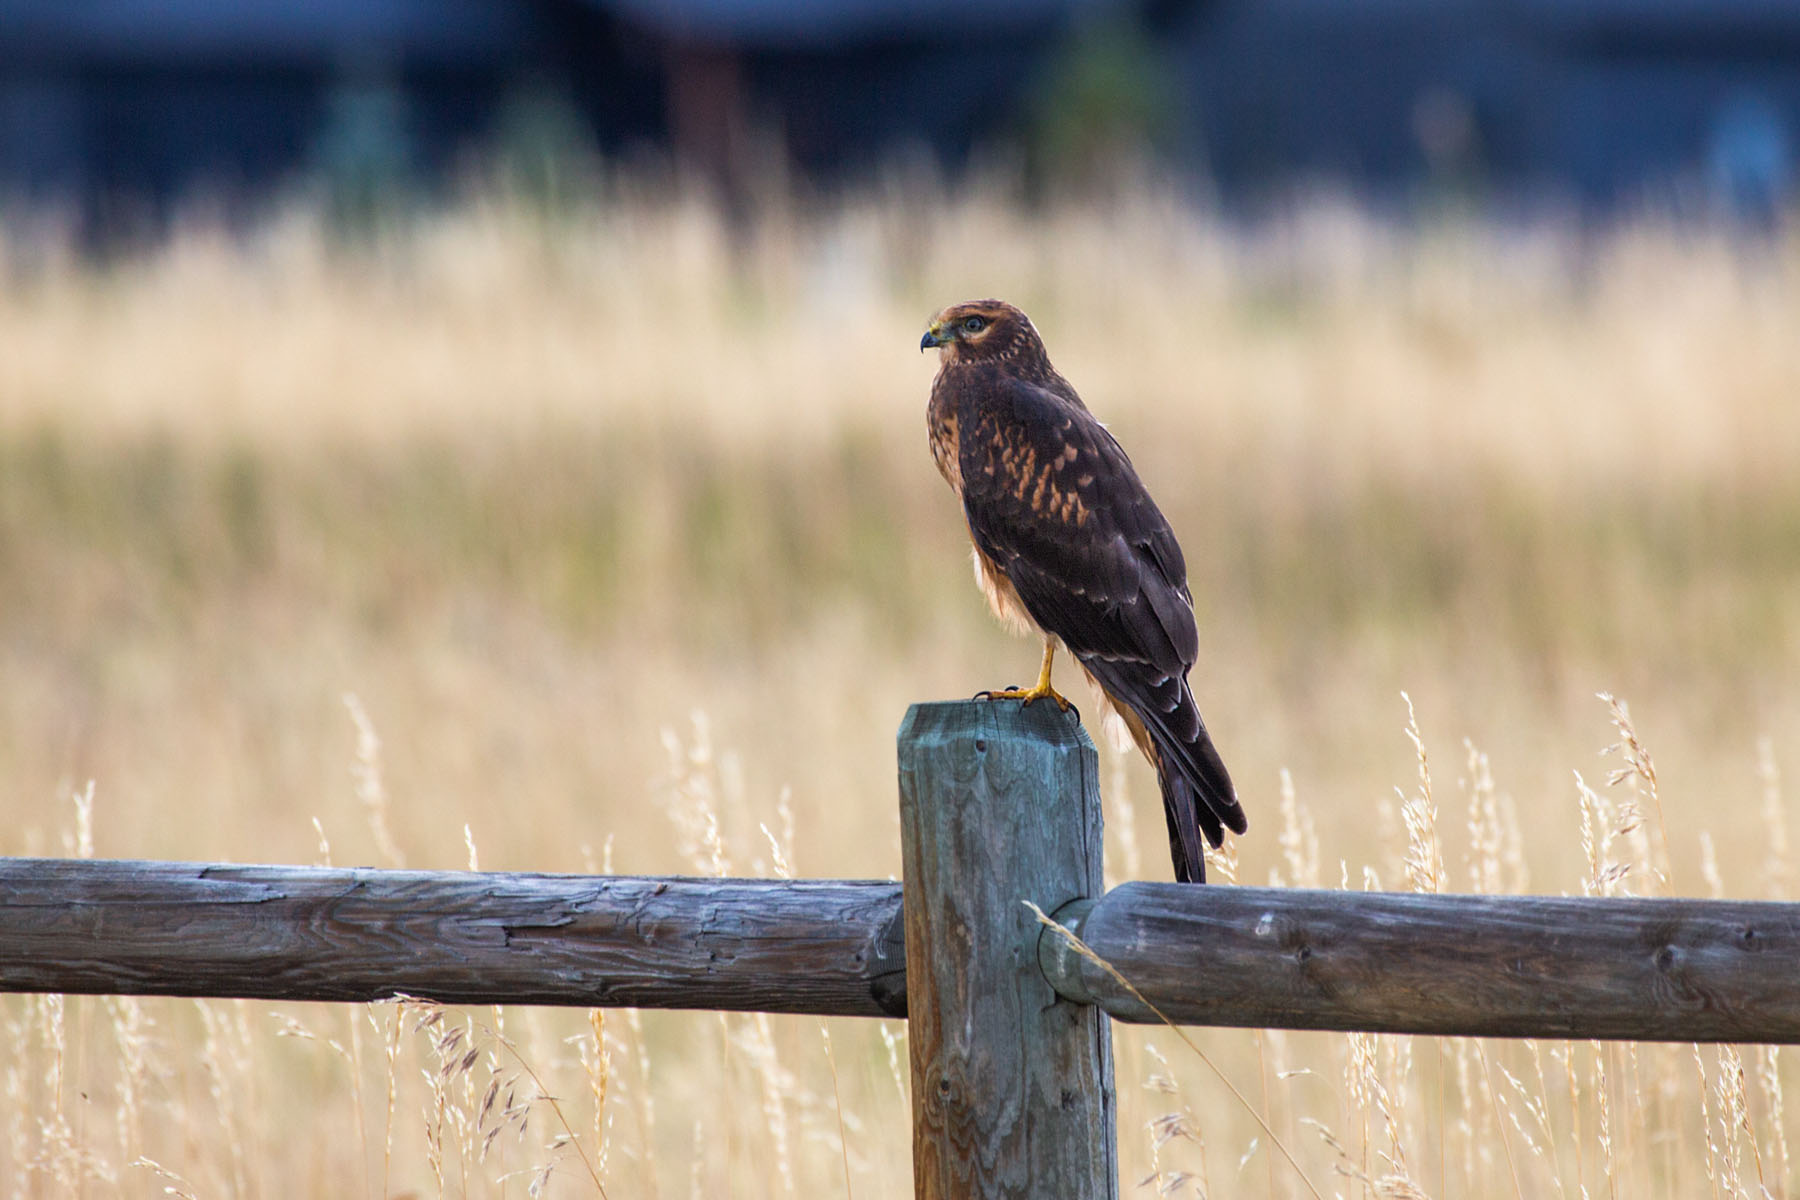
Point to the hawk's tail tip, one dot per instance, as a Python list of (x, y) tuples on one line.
[(1191, 827)]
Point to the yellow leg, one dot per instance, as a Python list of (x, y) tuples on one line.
[(1042, 689)]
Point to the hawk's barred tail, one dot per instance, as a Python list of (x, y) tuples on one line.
[(1199, 800), (1195, 814)]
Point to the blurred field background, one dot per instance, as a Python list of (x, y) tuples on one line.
[(606, 537)]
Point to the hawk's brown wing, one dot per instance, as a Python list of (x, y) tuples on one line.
[(1052, 499)]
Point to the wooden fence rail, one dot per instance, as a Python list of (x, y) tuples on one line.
[(1011, 1054), (1281, 958), (1474, 966), (320, 933)]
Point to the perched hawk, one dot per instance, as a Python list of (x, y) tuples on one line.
[(1069, 543)]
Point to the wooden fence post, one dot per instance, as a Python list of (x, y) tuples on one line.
[(1012, 1087)]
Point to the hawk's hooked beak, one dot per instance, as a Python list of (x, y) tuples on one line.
[(935, 336)]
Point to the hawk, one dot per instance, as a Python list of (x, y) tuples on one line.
[(1069, 543)]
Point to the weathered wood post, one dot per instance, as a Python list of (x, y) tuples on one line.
[(1012, 1086)]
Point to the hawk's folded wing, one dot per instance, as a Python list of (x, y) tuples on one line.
[(1053, 501)]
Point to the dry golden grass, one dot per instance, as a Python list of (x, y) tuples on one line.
[(609, 541)]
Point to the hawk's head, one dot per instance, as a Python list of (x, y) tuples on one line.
[(983, 331)]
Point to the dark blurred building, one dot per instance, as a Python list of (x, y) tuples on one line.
[(125, 107)]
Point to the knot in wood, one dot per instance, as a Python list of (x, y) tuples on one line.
[(942, 1098)]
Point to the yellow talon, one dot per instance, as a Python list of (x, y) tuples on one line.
[(1041, 690)]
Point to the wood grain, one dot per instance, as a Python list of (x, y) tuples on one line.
[(1487, 966), (1012, 1087), (310, 933)]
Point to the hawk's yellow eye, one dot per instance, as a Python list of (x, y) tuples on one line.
[(974, 324)]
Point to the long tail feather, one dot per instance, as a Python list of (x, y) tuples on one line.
[(1199, 800), (1181, 808)]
